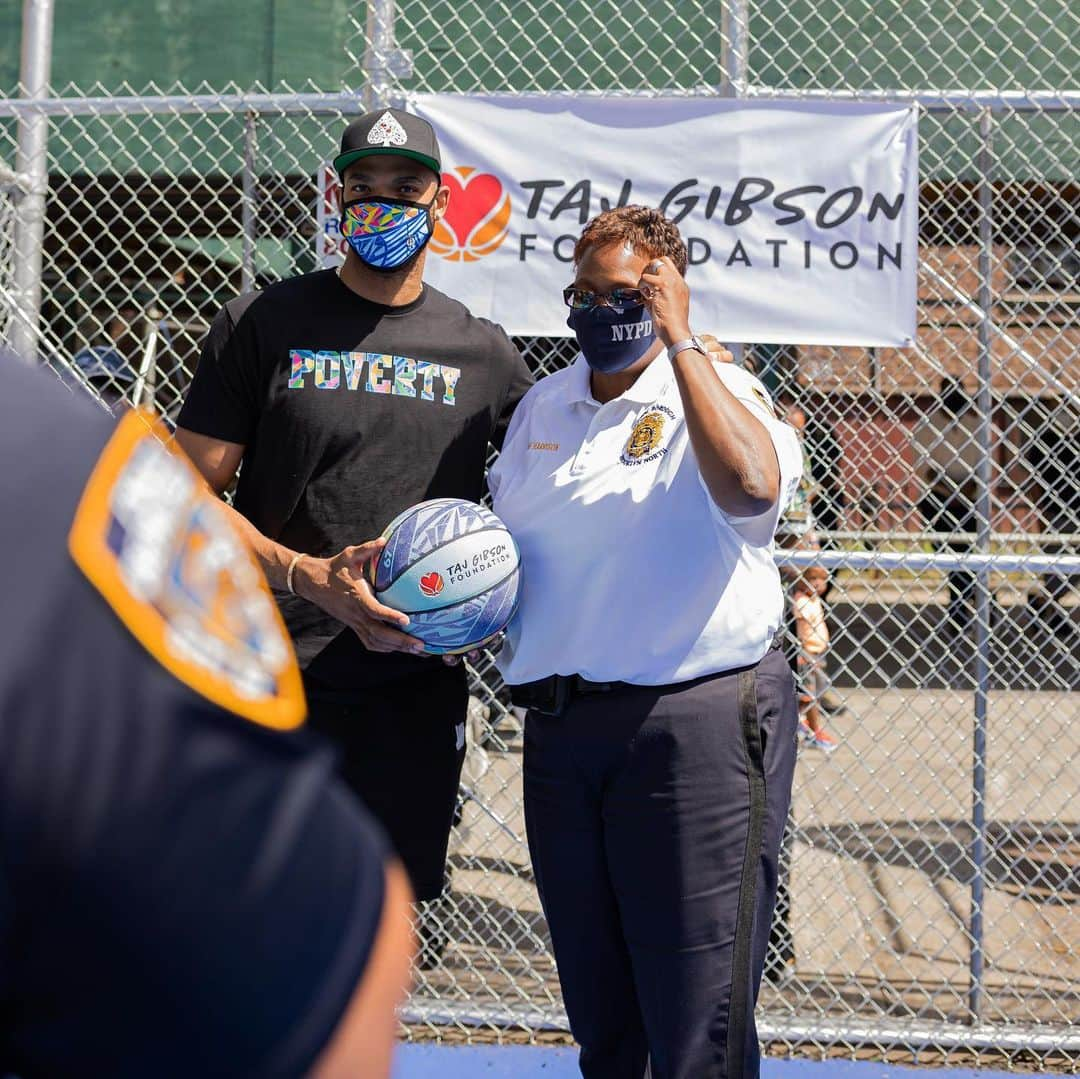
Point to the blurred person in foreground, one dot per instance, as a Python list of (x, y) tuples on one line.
[(185, 889), (643, 485)]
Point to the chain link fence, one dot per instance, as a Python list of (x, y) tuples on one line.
[(9, 189), (933, 857)]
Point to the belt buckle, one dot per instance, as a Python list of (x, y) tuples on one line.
[(551, 699), (585, 687), (560, 694)]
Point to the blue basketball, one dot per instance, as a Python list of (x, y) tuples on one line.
[(453, 568)]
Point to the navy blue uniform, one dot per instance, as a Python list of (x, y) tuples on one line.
[(184, 888), (655, 816)]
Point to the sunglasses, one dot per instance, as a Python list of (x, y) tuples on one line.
[(618, 299)]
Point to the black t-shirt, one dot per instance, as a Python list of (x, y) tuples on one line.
[(350, 412), (183, 891)]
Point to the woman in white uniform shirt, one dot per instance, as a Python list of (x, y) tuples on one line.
[(643, 485)]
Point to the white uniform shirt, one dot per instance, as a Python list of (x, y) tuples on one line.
[(630, 572)]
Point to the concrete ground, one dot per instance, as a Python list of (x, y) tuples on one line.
[(881, 873), (882, 868)]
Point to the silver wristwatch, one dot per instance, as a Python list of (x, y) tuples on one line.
[(690, 342)]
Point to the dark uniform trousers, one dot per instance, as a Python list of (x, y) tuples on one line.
[(401, 747), (655, 817)]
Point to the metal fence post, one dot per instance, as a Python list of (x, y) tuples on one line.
[(735, 78), (982, 579), (31, 163), (378, 52), (247, 209), (735, 45)]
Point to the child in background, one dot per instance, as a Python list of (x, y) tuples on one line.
[(813, 632)]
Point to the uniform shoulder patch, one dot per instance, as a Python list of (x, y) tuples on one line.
[(162, 552), (763, 397), (745, 386)]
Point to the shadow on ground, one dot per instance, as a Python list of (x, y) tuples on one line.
[(1041, 860)]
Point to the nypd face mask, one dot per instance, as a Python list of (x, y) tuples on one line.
[(611, 340), (386, 234)]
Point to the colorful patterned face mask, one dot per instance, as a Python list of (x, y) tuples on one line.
[(386, 234)]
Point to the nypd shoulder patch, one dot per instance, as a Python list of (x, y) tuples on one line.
[(155, 543), (746, 387), (763, 398)]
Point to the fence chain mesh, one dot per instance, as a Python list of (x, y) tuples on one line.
[(964, 446), (9, 191)]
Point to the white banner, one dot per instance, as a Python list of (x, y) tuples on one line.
[(801, 218)]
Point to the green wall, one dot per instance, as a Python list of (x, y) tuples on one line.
[(193, 43), (199, 45)]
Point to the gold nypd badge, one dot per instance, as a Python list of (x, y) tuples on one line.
[(647, 436)]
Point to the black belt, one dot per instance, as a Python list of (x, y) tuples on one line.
[(551, 695)]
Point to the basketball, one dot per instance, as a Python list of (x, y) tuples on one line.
[(453, 568)]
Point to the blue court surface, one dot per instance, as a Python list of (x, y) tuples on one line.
[(422, 1061)]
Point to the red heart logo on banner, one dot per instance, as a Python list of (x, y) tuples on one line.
[(431, 584), (470, 202)]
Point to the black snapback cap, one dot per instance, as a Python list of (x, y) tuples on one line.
[(389, 131)]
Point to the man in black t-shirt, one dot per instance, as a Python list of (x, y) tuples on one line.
[(348, 397), (185, 888)]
